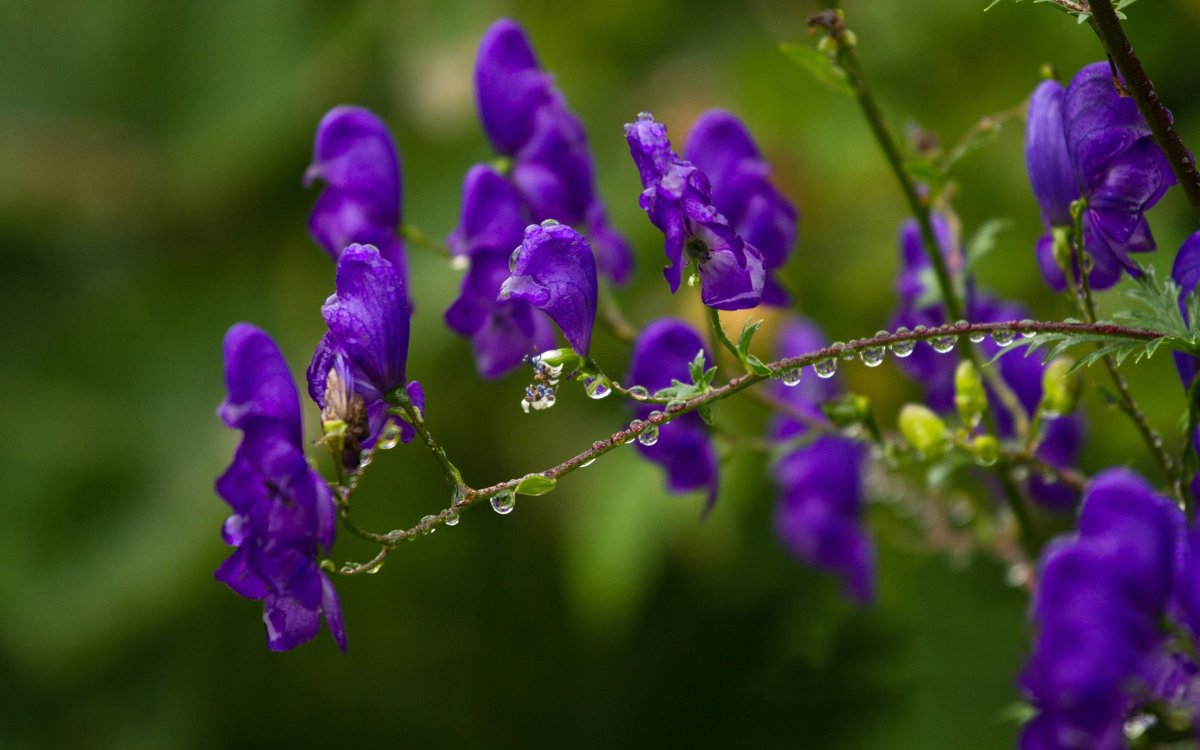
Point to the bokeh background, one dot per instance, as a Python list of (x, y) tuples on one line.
[(150, 164)]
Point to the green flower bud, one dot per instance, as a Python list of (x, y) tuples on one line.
[(923, 429), (969, 396), (1060, 389), (985, 449)]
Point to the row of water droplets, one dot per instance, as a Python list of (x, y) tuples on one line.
[(873, 355)]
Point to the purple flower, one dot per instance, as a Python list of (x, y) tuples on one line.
[(1088, 141), (526, 118), (554, 271), (1186, 275), (355, 156), (1099, 598), (722, 148), (661, 354), (368, 320), (678, 200), (283, 512), (819, 516)]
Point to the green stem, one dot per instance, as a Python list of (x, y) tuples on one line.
[(714, 315), (404, 408)]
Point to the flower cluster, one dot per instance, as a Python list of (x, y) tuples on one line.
[(550, 178), (819, 516), (1100, 596), (1089, 142), (1062, 435), (661, 355), (283, 513)]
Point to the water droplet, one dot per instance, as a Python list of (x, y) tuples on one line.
[(872, 356), (961, 324), (1138, 725), (654, 417), (943, 344), (675, 405), (389, 437), (902, 349), (503, 502), (365, 458), (648, 436), (976, 336), (428, 529), (645, 116), (638, 391), (1016, 575), (791, 377), (512, 260), (1028, 334), (847, 354), (619, 438), (1003, 337), (587, 463), (694, 280), (636, 425), (838, 349), (451, 518), (549, 223), (825, 368), (596, 388), (598, 445)]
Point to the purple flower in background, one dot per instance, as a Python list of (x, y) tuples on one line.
[(661, 354), (1099, 598), (355, 156), (1088, 141), (678, 200), (1186, 274), (493, 223), (526, 118), (283, 513), (819, 515), (368, 320), (1063, 436), (723, 149), (554, 271)]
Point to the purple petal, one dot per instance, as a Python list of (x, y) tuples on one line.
[(555, 272), (510, 87), (663, 352), (1046, 155), (492, 217), (1099, 122), (288, 622), (258, 381), (614, 254), (553, 170)]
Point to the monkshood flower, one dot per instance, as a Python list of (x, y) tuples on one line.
[(1098, 602), (678, 200), (493, 223), (368, 321), (1062, 436), (283, 513), (721, 146), (1087, 141), (526, 118), (819, 515), (554, 271), (1186, 274), (355, 156), (661, 354)]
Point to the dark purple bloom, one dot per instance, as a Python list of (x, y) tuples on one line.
[(554, 271), (526, 118), (661, 354), (283, 512), (1186, 275), (368, 320), (492, 220), (355, 156), (678, 200), (723, 149), (1099, 598), (820, 513), (1090, 142)]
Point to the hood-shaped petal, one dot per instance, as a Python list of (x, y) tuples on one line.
[(555, 272), (510, 86), (259, 382), (1047, 158), (493, 219)]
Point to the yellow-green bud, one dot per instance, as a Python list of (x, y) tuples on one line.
[(969, 396), (1060, 389), (985, 449), (922, 428)]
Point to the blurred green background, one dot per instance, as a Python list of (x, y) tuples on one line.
[(150, 164)]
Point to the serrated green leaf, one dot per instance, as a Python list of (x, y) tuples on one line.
[(535, 484), (749, 328), (820, 65), (756, 366), (705, 412)]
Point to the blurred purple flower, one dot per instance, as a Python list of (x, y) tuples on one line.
[(283, 513), (661, 354), (1098, 602), (368, 320), (554, 271), (678, 200), (1088, 141), (526, 118), (355, 156), (820, 513), (721, 146)]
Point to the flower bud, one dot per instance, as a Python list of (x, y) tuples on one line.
[(985, 449), (922, 428), (969, 396), (1060, 389)]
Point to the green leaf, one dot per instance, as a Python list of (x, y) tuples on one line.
[(984, 240), (705, 412), (756, 366), (820, 65), (749, 328), (535, 484)]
